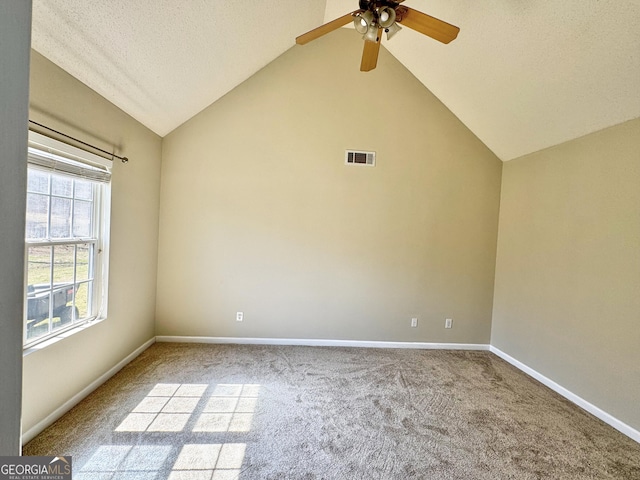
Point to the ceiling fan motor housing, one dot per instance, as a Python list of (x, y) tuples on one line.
[(373, 5)]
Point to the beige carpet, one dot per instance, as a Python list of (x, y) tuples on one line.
[(260, 412)]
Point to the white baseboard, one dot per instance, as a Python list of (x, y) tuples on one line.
[(322, 342), (77, 398), (572, 397)]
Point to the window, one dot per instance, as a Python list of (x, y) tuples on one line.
[(66, 237)]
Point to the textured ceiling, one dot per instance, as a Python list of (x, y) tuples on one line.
[(521, 75), (163, 61)]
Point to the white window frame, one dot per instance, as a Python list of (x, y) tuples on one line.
[(63, 159)]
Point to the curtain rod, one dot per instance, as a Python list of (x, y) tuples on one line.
[(112, 155)]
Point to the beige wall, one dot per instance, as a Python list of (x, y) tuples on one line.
[(259, 213), (567, 295), (55, 374)]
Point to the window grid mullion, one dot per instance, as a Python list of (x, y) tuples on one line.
[(75, 279), (52, 261), (49, 206)]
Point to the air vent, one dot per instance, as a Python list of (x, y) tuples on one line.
[(359, 157)]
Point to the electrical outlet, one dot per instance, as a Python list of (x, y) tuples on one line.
[(448, 323), (414, 322), (239, 316)]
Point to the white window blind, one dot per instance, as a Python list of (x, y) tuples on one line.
[(59, 157)]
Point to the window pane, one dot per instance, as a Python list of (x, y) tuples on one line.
[(62, 307), (38, 326), (84, 190), (63, 264), (83, 301), (62, 186), (38, 304), (37, 215), (83, 262), (37, 181), (82, 213), (60, 217), (38, 291), (39, 266)]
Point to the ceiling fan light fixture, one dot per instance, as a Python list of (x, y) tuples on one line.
[(363, 22), (392, 30), (368, 17), (372, 33), (360, 25), (386, 16)]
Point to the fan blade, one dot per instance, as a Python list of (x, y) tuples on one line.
[(370, 54), (326, 28), (421, 22)]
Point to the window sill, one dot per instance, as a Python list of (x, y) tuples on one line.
[(61, 336)]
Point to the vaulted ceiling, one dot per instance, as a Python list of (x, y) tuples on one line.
[(521, 75)]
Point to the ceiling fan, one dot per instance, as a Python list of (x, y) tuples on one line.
[(373, 17)]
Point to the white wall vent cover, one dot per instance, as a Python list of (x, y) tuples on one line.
[(359, 157)]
